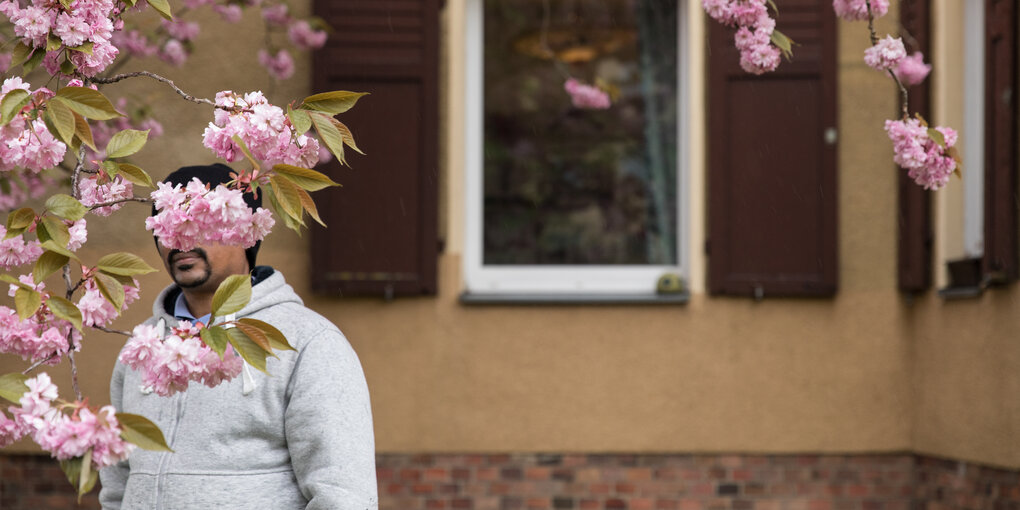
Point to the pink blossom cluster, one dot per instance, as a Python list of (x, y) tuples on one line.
[(263, 127), (40, 337), (25, 142), (754, 31), (886, 54), (91, 193), (927, 161), (586, 96), (85, 21), (280, 66), (857, 10), (169, 364), (912, 70), (64, 436), (17, 251), (305, 37), (193, 215), (96, 310), (79, 233)]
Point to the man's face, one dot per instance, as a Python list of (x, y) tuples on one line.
[(205, 267)]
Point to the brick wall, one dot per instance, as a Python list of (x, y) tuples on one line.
[(625, 482)]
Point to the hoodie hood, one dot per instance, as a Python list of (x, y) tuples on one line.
[(268, 289)]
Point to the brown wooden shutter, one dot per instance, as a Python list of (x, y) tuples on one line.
[(772, 174), (1001, 255), (915, 227), (381, 237)]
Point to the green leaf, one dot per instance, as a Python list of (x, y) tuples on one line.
[(33, 61), (330, 135), (67, 67), (88, 475), (14, 281), (249, 350), (111, 289), (48, 263), (19, 220), (300, 120), (20, 54), (276, 338), (66, 207), (88, 103), (937, 137), (142, 432), (335, 102), (12, 386), (125, 264), (135, 175), (126, 143), (53, 43), (53, 229), (244, 149), (12, 104), (26, 302), (58, 114), (216, 338), (309, 205), (66, 310), (110, 168), (255, 335), (85, 48), (785, 44), (232, 295), (287, 196), (163, 8), (84, 132), (304, 178), (54, 247), (346, 136), (278, 211)]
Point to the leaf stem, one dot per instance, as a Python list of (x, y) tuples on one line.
[(904, 96)]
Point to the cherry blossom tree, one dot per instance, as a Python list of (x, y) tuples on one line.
[(70, 127)]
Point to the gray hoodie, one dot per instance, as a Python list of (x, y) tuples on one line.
[(299, 438)]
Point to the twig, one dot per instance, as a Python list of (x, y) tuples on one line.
[(154, 76), (115, 331), (904, 97), (74, 369), (37, 364), (121, 201)]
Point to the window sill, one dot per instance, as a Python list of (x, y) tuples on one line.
[(475, 298), (954, 293)]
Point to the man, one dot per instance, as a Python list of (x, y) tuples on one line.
[(298, 438)]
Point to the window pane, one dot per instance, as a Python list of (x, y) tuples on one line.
[(566, 185)]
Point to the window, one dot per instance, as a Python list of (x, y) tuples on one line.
[(568, 200)]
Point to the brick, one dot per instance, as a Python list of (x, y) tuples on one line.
[(639, 474), (461, 503), (538, 504), (589, 504), (691, 504), (561, 503), (538, 473), (641, 504), (616, 504), (667, 504), (728, 489), (625, 488), (436, 475)]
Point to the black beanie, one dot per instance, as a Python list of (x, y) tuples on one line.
[(216, 173)]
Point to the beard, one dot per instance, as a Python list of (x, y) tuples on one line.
[(190, 275)]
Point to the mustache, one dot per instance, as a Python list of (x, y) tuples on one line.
[(197, 251)]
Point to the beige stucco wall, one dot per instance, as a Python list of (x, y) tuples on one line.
[(865, 371)]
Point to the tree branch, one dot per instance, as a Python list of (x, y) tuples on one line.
[(37, 364), (114, 331), (904, 97), (121, 201), (154, 76)]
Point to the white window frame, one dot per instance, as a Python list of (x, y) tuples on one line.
[(973, 133), (553, 280)]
